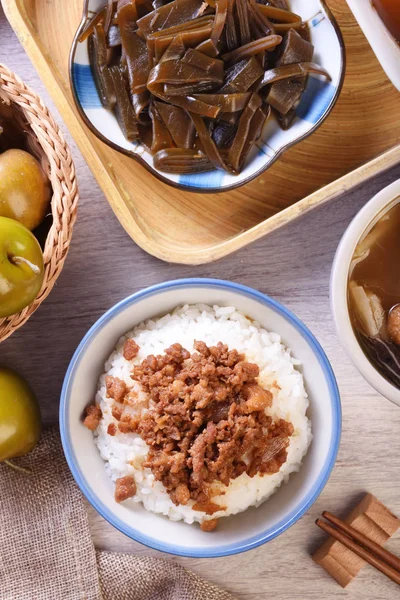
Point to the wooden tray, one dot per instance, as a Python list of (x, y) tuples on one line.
[(358, 140)]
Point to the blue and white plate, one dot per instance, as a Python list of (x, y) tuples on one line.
[(237, 533), (316, 104)]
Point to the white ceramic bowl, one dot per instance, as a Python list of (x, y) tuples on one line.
[(360, 226), (316, 104), (234, 534), (386, 49)]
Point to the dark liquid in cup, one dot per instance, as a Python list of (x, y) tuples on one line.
[(374, 291), (389, 11)]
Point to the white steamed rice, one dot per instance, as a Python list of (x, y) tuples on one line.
[(124, 453)]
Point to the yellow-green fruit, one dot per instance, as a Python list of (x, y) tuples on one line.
[(24, 188), (21, 267), (20, 422)]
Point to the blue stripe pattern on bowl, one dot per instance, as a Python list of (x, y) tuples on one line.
[(211, 179), (315, 100), (85, 86)]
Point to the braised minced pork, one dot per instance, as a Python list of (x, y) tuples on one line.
[(206, 422), (92, 416), (125, 487), (131, 349)]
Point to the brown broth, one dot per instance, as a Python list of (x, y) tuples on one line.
[(380, 271), (389, 11), (376, 269)]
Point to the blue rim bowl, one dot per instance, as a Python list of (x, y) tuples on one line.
[(217, 288)]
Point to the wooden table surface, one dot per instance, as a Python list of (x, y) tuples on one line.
[(293, 266)]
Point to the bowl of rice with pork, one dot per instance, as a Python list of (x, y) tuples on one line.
[(200, 417)]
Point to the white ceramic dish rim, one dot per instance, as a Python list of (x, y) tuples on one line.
[(361, 223), (263, 536)]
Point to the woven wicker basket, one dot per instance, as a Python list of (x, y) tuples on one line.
[(50, 147)]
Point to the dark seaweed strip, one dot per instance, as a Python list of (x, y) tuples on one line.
[(285, 95), (123, 107), (292, 71), (109, 15), (156, 87), (221, 11), (91, 24), (161, 136), (255, 131), (260, 25), (135, 48), (284, 27), (140, 102), (178, 123), (279, 14), (194, 105), (286, 121), (182, 28), (241, 76), (228, 103), (202, 61), (192, 34), (178, 160), (239, 142), (181, 74), (208, 47), (169, 15), (229, 117), (208, 143), (231, 38), (243, 21), (224, 134), (98, 58), (175, 50), (295, 49), (252, 48)]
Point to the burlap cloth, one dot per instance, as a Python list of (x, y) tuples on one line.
[(46, 552)]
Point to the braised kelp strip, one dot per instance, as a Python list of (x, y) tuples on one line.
[(292, 71), (178, 123), (241, 76), (239, 142), (108, 16), (280, 14), (221, 11), (123, 107), (135, 48), (171, 14), (140, 103), (180, 160), (161, 136), (98, 58), (227, 103), (195, 80), (257, 47), (284, 96), (209, 146), (91, 24)]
